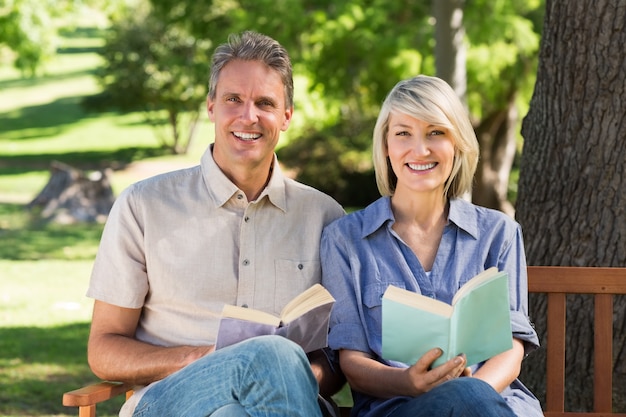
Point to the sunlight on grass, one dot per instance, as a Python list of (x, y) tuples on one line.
[(44, 293), (45, 269), (42, 92)]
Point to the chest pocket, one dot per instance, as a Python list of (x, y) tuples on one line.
[(373, 309), (294, 277)]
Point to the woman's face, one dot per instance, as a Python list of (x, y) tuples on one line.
[(421, 154)]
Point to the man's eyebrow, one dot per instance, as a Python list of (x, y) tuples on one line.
[(266, 98)]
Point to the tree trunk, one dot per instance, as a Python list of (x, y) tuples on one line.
[(72, 196), (571, 202), (496, 135), (450, 49)]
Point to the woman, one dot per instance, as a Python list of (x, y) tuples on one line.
[(420, 235)]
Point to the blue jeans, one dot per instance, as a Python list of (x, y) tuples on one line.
[(460, 397), (267, 376)]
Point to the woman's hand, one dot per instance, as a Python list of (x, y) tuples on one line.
[(423, 379), (369, 376)]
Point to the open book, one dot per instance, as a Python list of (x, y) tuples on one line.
[(477, 323), (303, 320)]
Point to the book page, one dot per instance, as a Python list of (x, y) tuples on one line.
[(476, 281), (250, 314), (418, 301), (315, 296)]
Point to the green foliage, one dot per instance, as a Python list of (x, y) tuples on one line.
[(159, 69), (26, 28), (503, 53), (353, 52)]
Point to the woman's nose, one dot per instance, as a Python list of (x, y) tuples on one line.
[(420, 146)]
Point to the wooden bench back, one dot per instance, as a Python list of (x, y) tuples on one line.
[(602, 283)]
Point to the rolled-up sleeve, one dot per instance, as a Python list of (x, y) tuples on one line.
[(513, 260), (346, 329)]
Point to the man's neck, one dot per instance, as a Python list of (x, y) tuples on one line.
[(251, 181)]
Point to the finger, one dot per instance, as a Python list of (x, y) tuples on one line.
[(426, 361), (449, 370)]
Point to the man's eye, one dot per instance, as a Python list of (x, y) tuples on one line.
[(232, 99)]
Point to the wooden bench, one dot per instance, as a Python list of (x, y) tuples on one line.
[(602, 283), (556, 282)]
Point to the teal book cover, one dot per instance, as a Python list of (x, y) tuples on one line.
[(476, 324)]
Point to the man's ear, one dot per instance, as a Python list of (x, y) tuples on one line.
[(287, 121), (209, 108)]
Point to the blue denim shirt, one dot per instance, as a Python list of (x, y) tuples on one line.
[(362, 255)]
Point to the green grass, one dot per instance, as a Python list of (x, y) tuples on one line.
[(45, 268)]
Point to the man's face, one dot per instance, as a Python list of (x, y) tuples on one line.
[(249, 113)]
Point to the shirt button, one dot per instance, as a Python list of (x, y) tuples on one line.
[(300, 266), (246, 219), (239, 196), (246, 262), (244, 305)]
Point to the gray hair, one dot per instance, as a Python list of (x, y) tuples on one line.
[(252, 46)]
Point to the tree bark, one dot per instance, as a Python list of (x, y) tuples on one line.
[(571, 202), (497, 137), (72, 196)]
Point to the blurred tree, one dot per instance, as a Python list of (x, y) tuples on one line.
[(29, 28), (501, 67), (157, 68), (351, 53), (571, 202), (26, 28)]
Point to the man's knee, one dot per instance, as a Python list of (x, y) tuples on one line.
[(274, 348), (231, 410)]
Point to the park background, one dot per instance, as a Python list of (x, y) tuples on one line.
[(118, 86)]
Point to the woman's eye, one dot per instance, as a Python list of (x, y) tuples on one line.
[(402, 133), (436, 133)]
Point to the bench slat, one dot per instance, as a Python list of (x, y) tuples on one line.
[(602, 283)]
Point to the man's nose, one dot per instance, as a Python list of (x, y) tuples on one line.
[(249, 113)]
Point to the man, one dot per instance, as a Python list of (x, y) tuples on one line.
[(233, 230)]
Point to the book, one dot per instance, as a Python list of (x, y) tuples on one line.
[(477, 323), (304, 320)]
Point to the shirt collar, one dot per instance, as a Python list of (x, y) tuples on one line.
[(462, 214), (222, 189), (376, 215)]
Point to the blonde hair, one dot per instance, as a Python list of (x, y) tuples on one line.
[(432, 100)]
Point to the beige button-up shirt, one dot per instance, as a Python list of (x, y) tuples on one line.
[(182, 244)]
